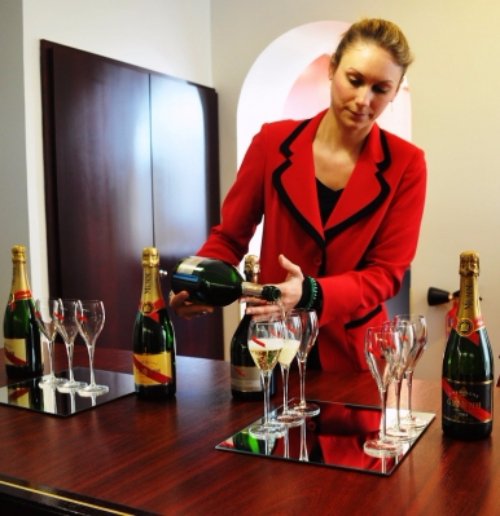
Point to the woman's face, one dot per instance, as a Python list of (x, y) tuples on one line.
[(362, 84)]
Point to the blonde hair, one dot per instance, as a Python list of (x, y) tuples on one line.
[(383, 33)]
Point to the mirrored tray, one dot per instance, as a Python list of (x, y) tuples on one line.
[(334, 438), (29, 395)]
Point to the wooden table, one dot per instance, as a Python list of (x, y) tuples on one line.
[(135, 457)]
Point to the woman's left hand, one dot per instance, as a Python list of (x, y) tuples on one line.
[(291, 291)]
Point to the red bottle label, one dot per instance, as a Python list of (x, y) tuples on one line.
[(469, 328), (151, 309), (153, 369), (467, 402)]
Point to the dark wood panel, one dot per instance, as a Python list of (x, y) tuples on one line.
[(101, 185), (100, 163), (186, 190)]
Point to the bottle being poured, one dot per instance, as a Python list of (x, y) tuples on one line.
[(216, 283)]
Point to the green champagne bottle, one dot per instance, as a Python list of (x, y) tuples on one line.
[(23, 353), (467, 382), (154, 338), (245, 375), (215, 282)]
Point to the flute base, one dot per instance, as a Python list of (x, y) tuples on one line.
[(382, 448), (271, 429), (305, 408), (290, 417)]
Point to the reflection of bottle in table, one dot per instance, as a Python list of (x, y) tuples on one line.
[(26, 395)]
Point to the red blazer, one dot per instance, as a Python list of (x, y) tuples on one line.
[(367, 244)]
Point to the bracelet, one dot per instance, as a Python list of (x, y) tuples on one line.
[(311, 294)]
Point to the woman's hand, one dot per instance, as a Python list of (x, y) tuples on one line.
[(291, 291), (187, 309)]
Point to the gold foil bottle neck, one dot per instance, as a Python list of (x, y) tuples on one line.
[(20, 281), (150, 257), (19, 253), (469, 263), (469, 309), (252, 268)]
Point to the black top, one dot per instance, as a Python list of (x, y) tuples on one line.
[(328, 199)]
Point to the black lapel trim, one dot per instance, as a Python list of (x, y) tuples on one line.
[(382, 166), (278, 172)]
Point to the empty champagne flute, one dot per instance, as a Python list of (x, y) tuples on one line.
[(407, 337), (310, 330), (90, 317), (44, 313), (265, 342), (383, 352), (67, 327), (419, 344), (293, 334)]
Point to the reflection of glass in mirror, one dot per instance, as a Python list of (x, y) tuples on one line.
[(48, 399), (334, 438)]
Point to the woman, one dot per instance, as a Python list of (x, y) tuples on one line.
[(342, 200)]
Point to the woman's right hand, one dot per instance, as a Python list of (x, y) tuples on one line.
[(186, 309)]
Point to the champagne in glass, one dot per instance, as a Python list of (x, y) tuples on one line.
[(265, 342), (67, 327), (293, 334), (90, 318), (383, 353), (45, 317), (310, 330)]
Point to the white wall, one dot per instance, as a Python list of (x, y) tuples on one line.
[(169, 36), (13, 194), (454, 84)]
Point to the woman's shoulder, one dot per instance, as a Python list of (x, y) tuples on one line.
[(396, 141), (289, 129), (283, 126)]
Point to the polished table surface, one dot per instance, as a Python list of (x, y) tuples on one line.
[(135, 457)]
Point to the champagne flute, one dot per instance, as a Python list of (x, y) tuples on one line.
[(383, 353), (310, 330), (90, 316), (265, 342), (67, 327), (293, 334), (419, 344), (44, 314), (407, 337)]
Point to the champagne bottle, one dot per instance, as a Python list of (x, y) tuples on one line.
[(216, 283), (154, 338), (23, 353), (467, 403), (245, 375)]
